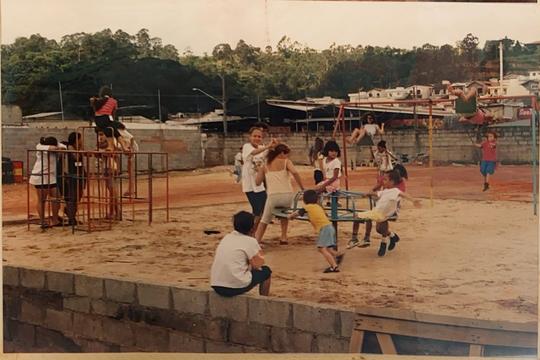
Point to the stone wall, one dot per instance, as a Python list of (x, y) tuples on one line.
[(78, 313), (64, 312), (183, 146), (514, 145)]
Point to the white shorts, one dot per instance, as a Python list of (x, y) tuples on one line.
[(273, 201)]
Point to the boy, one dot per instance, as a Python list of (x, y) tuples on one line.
[(387, 205), (356, 225), (489, 157), (326, 241), (239, 262)]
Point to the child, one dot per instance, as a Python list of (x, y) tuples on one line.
[(238, 166), (109, 170), (356, 225), (316, 158), (387, 206), (370, 129), (105, 107), (326, 241), (128, 144), (331, 168), (489, 157), (383, 157)]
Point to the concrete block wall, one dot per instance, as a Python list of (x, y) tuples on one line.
[(183, 146), (448, 145), (79, 313)]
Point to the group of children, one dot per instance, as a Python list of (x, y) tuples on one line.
[(388, 191)]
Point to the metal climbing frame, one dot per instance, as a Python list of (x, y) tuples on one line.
[(98, 187), (340, 126)]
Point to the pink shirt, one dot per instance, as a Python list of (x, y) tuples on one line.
[(489, 151)]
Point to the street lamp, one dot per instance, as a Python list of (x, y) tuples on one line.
[(223, 104)]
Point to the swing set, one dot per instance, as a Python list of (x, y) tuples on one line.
[(464, 108)]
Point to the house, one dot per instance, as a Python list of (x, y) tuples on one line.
[(532, 86), (534, 75)]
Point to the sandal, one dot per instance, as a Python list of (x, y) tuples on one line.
[(331, 269)]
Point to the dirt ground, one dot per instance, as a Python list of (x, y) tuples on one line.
[(473, 254)]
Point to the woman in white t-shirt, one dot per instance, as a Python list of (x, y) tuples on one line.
[(370, 129), (331, 168), (253, 155), (43, 177)]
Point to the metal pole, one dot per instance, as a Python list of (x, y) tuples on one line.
[(159, 103), (224, 105), (501, 71), (431, 154), (61, 102), (534, 118)]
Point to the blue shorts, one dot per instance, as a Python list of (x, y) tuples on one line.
[(327, 236), (487, 167)]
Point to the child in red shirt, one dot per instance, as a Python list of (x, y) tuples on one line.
[(489, 157)]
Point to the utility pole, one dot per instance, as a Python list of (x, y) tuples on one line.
[(61, 102), (501, 72), (159, 104)]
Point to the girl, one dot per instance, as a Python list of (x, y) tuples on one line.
[(277, 172), (370, 129), (253, 154), (74, 177), (331, 168), (109, 166), (105, 107), (315, 159), (43, 177), (384, 158)]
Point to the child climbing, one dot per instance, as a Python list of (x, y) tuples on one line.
[(326, 240), (489, 157), (387, 206)]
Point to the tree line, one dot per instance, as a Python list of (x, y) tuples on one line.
[(137, 66)]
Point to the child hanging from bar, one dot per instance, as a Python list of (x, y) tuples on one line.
[(387, 205), (489, 157), (326, 239)]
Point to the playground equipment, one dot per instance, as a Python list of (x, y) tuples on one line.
[(337, 211), (98, 186), (339, 126)]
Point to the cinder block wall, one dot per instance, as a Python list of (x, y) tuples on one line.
[(448, 145), (183, 146), (77, 313), (65, 312)]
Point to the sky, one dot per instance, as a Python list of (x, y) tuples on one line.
[(199, 25)]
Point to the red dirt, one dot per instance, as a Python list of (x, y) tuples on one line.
[(214, 186)]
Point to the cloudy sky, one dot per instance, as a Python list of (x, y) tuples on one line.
[(201, 24)]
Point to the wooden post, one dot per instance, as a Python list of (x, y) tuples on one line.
[(357, 339)]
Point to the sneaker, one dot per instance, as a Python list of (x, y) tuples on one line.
[(393, 240), (382, 249), (364, 243), (331, 269), (352, 243), (339, 259), (486, 186)]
